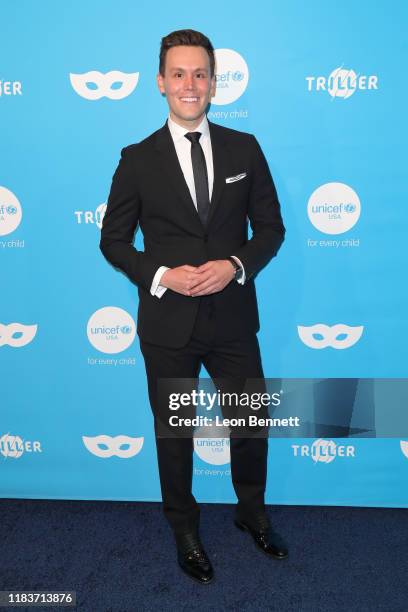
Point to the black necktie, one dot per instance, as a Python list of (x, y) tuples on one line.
[(200, 176)]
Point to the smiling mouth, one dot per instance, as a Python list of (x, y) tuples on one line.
[(189, 99)]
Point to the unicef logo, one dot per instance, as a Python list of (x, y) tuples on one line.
[(111, 330), (215, 447), (238, 76), (231, 76), (10, 211), (334, 208)]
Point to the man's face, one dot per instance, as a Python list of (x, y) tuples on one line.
[(187, 84)]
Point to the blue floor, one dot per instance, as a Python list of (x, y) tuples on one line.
[(120, 557)]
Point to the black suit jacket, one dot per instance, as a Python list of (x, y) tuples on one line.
[(149, 189)]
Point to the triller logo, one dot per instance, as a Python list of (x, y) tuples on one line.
[(88, 216), (103, 84), (16, 334), (321, 336), (231, 76), (10, 211), (214, 450), (119, 446), (14, 446), (334, 208), (111, 330), (341, 83), (323, 451), (10, 88), (404, 447)]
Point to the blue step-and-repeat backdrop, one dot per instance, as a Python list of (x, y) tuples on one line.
[(322, 86)]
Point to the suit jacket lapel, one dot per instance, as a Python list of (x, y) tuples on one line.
[(220, 155), (174, 173), (172, 169)]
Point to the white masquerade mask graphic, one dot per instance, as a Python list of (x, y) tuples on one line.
[(104, 84), (329, 336), (114, 446), (7, 333)]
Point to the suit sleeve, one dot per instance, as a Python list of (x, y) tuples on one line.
[(264, 215), (120, 223)]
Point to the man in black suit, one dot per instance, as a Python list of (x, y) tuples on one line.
[(192, 186)]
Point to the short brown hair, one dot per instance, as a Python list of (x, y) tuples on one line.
[(190, 38)]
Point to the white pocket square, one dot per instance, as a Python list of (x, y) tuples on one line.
[(238, 177)]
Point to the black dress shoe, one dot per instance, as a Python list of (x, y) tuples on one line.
[(266, 539), (193, 559)]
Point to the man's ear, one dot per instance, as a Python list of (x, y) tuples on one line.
[(160, 83)]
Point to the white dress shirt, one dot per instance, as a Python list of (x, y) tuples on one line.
[(183, 150)]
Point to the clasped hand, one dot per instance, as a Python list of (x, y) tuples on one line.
[(209, 278)]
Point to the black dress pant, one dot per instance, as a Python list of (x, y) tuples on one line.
[(233, 361)]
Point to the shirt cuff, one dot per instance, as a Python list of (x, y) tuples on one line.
[(241, 281), (157, 289)]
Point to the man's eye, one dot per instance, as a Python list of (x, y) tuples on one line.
[(178, 74), (201, 75)]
